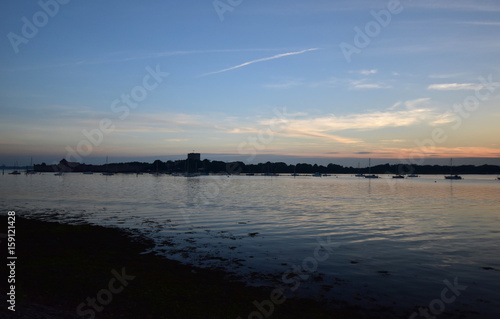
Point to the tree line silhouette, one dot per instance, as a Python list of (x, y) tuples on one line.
[(238, 167)]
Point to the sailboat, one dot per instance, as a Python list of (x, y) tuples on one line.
[(451, 176), (107, 172), (359, 172), (31, 171), (370, 169)]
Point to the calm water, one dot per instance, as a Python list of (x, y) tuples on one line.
[(384, 242)]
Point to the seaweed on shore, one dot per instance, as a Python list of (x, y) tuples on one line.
[(60, 267)]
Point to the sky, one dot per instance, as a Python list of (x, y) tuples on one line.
[(249, 80)]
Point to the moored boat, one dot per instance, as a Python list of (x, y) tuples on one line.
[(107, 172), (451, 176), (370, 170)]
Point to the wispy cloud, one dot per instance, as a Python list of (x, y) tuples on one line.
[(368, 72), (459, 5), (335, 128), (482, 23), (395, 106), (278, 56), (127, 56), (444, 76), (362, 84), (364, 72), (455, 86)]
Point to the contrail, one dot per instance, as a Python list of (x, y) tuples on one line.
[(260, 60)]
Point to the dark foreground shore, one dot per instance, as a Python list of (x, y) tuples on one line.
[(83, 271)]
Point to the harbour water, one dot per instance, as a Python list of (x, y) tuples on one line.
[(396, 244)]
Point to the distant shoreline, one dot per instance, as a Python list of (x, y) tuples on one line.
[(214, 167)]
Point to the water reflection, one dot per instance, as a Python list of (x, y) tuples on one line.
[(420, 231)]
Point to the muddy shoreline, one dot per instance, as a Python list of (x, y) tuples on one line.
[(86, 271)]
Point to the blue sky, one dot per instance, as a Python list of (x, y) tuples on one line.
[(246, 79)]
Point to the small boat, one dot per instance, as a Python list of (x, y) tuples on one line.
[(326, 175), (451, 176), (370, 169), (295, 174), (88, 173), (58, 174), (412, 175), (32, 170), (317, 174), (398, 176), (107, 172), (359, 174), (250, 174), (269, 174), (15, 173)]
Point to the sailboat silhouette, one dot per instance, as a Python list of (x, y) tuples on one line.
[(107, 172), (451, 176)]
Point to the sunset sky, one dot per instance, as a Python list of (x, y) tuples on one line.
[(240, 79)]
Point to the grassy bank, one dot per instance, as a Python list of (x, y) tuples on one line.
[(105, 272)]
